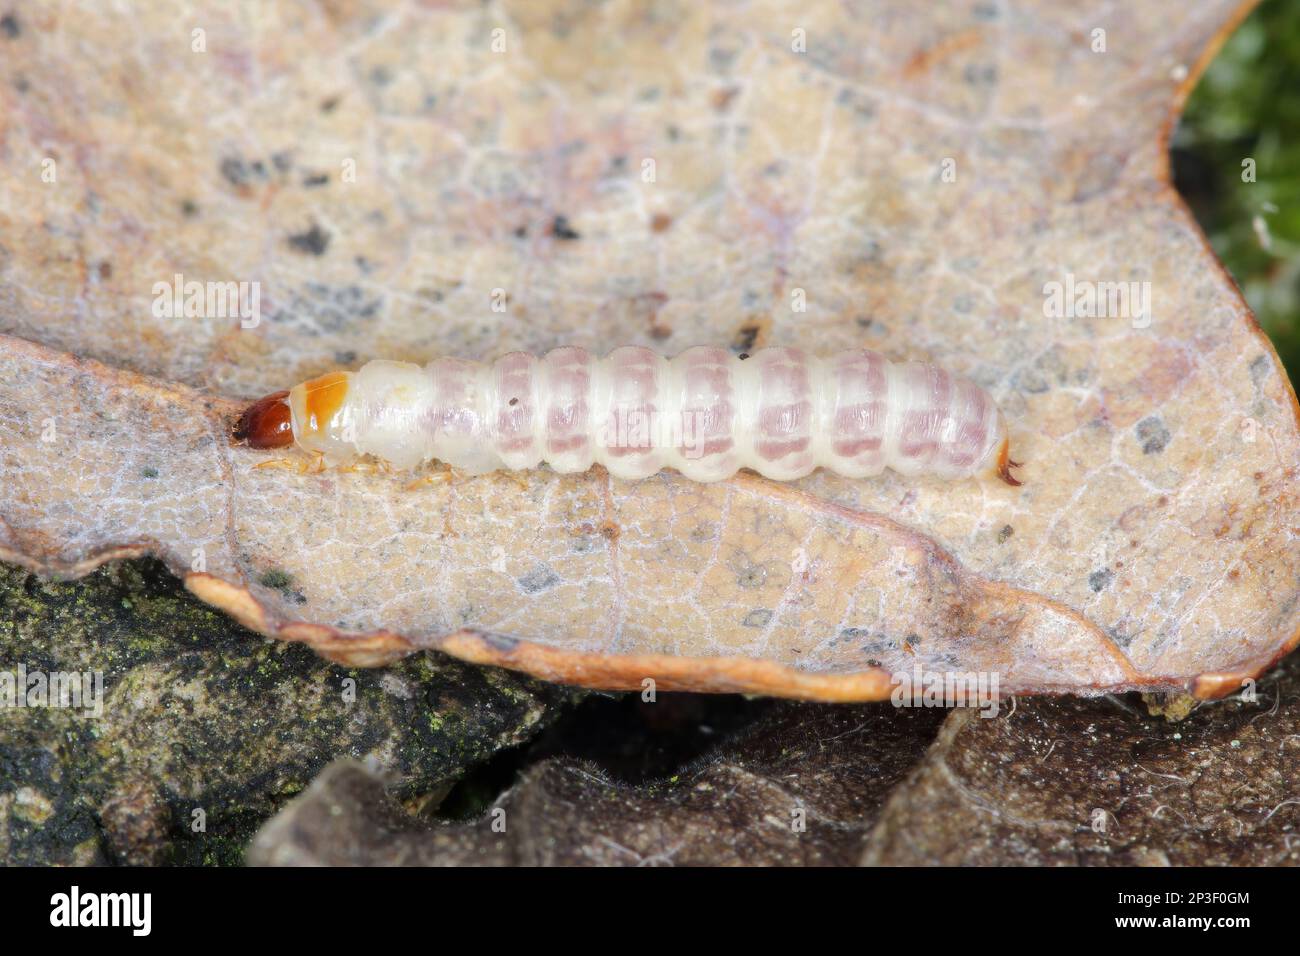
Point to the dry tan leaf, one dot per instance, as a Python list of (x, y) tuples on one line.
[(1153, 544)]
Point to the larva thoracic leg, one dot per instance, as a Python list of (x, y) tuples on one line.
[(706, 413)]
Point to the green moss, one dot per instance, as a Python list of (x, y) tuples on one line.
[(201, 713), (1245, 108), (275, 578)]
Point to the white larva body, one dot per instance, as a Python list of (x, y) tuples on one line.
[(706, 413)]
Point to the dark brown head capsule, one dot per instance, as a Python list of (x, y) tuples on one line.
[(266, 423)]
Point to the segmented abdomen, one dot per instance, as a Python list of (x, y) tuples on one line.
[(706, 413)]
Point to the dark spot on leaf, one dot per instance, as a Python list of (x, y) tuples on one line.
[(514, 401), (149, 472), (316, 179), (1153, 435), (320, 307), (235, 171), (9, 24), (759, 617), (721, 58), (275, 578), (1099, 579), (981, 74), (704, 532), (329, 105), (1121, 638), (1029, 380), (189, 208), (1006, 532), (561, 229), (746, 337), (106, 270), (857, 102), (540, 579), (314, 241), (660, 222)]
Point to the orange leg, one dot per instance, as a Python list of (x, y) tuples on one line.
[(444, 474), (366, 466), (276, 463), (1005, 464), (303, 466)]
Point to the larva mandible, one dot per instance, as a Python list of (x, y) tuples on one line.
[(707, 413)]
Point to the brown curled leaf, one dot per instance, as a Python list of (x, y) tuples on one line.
[(1152, 544)]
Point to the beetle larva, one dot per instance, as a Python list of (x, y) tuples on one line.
[(706, 413)]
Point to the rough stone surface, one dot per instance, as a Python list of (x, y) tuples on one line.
[(800, 786), (1048, 781), (200, 715), (1088, 782)]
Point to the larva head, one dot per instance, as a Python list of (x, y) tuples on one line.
[(321, 419), (266, 423)]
